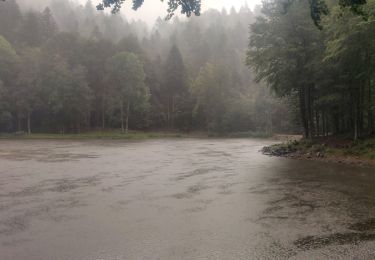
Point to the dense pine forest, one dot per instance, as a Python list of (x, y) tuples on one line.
[(327, 69), (71, 68)]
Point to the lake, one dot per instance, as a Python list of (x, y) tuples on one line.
[(179, 199)]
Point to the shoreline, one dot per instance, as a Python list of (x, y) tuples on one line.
[(132, 135), (288, 146), (324, 151)]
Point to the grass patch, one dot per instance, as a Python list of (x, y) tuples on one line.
[(322, 147), (362, 148)]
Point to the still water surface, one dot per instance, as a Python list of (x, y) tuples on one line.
[(179, 199)]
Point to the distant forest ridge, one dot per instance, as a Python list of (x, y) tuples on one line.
[(70, 68)]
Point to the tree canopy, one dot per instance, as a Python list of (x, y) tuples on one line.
[(318, 8), (68, 68), (188, 7), (327, 73), (126, 77)]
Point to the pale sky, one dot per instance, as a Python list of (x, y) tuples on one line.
[(152, 9)]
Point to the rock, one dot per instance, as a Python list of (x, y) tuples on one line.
[(279, 150)]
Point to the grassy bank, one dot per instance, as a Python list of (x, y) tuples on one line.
[(132, 135), (327, 149)]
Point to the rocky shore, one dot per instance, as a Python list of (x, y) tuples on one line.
[(323, 151)]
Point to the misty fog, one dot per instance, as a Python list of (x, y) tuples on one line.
[(233, 130)]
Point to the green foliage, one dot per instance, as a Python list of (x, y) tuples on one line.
[(10, 19), (66, 94), (331, 70), (70, 68), (174, 73), (363, 148), (48, 25), (126, 77), (31, 29), (25, 93), (177, 99), (239, 117), (318, 8), (188, 7), (5, 114), (125, 74), (211, 91), (8, 60), (281, 50)]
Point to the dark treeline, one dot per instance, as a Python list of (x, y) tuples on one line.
[(329, 72), (70, 68)]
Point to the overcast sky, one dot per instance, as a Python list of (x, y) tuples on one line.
[(155, 8)]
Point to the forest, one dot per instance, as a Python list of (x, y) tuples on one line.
[(70, 68), (327, 70), (244, 132)]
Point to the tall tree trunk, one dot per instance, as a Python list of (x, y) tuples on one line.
[(361, 107), (355, 137), (103, 120), (28, 123), (355, 107), (324, 123), (173, 112), (302, 106), (317, 117), (310, 113), (355, 117), (122, 117), (18, 122), (270, 123), (369, 111), (127, 117), (335, 123), (103, 114), (169, 112)]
